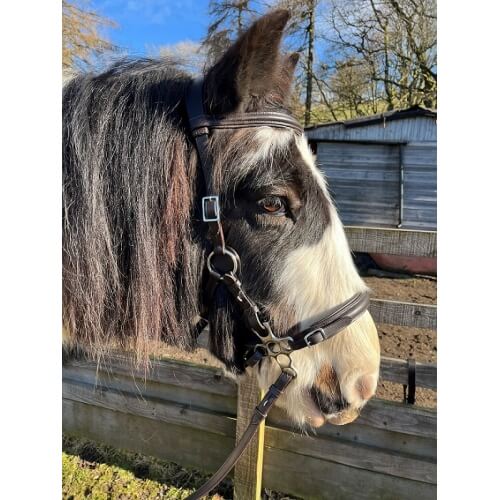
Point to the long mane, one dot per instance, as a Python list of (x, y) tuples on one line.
[(130, 266)]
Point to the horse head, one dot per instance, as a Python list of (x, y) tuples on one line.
[(135, 248)]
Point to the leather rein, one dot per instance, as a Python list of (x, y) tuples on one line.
[(223, 266)]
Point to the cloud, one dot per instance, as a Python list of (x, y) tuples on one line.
[(151, 11)]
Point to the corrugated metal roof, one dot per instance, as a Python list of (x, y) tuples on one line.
[(398, 114), (410, 129)]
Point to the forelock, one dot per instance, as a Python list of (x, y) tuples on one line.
[(255, 151)]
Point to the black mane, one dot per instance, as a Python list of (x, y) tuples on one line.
[(130, 266)]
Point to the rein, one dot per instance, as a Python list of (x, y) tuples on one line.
[(223, 265)]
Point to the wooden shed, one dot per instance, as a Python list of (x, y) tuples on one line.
[(381, 169)]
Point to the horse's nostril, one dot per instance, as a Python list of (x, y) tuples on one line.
[(342, 404), (366, 386), (328, 404)]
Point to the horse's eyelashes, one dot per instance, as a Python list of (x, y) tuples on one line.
[(273, 205)]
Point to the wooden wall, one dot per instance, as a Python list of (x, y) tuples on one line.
[(364, 180), (420, 185), (371, 168)]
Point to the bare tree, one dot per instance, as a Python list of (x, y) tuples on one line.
[(302, 38), (396, 42), (228, 19), (350, 88), (358, 57), (82, 40)]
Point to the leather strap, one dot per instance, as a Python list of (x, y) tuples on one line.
[(245, 120), (260, 413), (332, 321), (200, 123), (410, 388), (194, 106)]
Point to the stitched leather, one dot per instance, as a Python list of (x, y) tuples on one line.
[(259, 414)]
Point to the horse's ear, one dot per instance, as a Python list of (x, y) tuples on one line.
[(251, 68), (287, 73), (289, 65)]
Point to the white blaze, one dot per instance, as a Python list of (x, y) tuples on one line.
[(315, 278)]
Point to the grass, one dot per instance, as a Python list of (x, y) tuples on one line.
[(93, 470)]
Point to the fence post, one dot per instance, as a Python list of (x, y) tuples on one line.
[(248, 470)]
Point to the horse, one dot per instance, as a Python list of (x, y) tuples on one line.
[(135, 244)]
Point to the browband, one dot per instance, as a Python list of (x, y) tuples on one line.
[(245, 120), (200, 123)]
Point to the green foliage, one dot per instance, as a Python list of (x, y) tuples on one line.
[(99, 481), (82, 40), (93, 470)]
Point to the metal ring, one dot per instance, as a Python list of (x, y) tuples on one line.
[(291, 371), (263, 325), (213, 271), (281, 364)]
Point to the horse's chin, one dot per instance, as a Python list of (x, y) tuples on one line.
[(310, 414), (316, 420), (342, 418)]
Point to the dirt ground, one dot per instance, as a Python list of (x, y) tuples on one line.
[(395, 341), (404, 342)]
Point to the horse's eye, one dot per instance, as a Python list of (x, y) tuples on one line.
[(273, 205)]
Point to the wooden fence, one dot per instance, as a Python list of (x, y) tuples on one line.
[(192, 414)]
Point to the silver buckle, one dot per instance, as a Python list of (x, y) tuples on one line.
[(204, 205), (318, 330)]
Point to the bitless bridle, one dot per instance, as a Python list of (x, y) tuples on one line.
[(223, 266)]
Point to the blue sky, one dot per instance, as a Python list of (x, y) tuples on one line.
[(152, 23), (145, 25)]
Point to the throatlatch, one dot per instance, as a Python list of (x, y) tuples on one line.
[(224, 269)]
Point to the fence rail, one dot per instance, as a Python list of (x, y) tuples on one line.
[(176, 416), (396, 370), (404, 313), (410, 243), (192, 414)]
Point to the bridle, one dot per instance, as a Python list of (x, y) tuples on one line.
[(223, 269)]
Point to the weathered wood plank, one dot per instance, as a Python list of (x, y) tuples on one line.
[(378, 413), (153, 408), (187, 446), (399, 417), (315, 479), (396, 370), (361, 432), (392, 370), (353, 454), (404, 313), (248, 470), (405, 444), (392, 241), (173, 372), (381, 414), (185, 395)]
